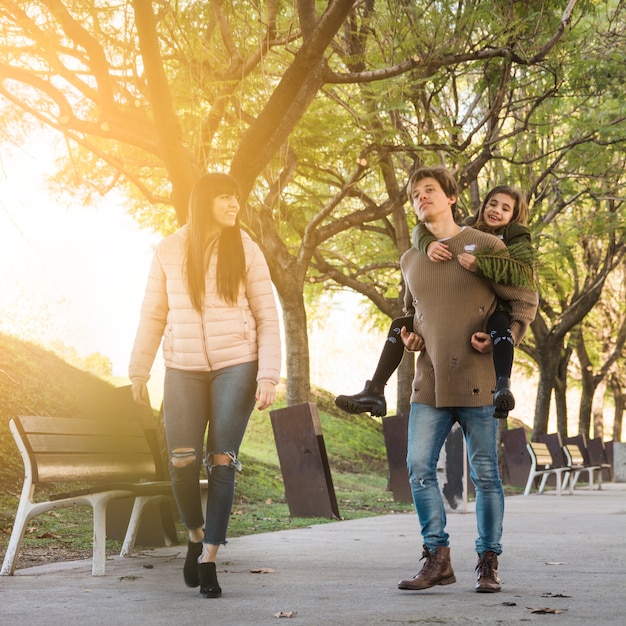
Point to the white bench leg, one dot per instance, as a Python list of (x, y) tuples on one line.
[(99, 505), (19, 527), (133, 524)]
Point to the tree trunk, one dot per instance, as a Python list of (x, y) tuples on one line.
[(560, 393), (597, 409), (296, 346), (560, 402), (548, 369), (619, 397)]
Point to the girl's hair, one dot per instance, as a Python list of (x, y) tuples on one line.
[(442, 175), (520, 206), (231, 263)]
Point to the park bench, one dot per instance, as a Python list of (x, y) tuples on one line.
[(577, 465), (104, 460), (543, 465)]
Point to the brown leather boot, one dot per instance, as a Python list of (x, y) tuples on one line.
[(487, 579), (436, 571)]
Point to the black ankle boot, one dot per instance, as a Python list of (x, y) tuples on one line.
[(370, 400), (209, 587), (190, 569), (503, 398)]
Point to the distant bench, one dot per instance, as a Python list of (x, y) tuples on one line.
[(111, 459)]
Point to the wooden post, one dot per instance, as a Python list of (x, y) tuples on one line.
[(303, 461), (452, 471)]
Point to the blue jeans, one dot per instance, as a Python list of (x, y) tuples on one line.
[(428, 429), (223, 400)]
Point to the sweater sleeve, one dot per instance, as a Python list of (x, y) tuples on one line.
[(523, 305), (422, 237)]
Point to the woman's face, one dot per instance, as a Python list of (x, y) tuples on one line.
[(225, 211), (498, 211)]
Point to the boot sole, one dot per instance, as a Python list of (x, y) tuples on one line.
[(504, 400), (443, 581), (349, 406)]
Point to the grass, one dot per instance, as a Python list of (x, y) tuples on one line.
[(35, 381)]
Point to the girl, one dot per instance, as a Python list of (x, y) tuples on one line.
[(504, 213), (209, 296)]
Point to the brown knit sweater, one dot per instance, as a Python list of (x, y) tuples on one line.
[(451, 303)]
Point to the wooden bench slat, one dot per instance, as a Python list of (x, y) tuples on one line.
[(93, 467), (28, 424), (100, 444), (106, 458)]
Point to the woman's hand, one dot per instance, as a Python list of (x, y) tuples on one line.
[(265, 394), (412, 341), (139, 390)]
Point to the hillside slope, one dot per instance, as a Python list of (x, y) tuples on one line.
[(34, 381)]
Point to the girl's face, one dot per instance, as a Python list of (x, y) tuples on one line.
[(499, 210), (225, 211)]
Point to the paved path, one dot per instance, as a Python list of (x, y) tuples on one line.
[(565, 553)]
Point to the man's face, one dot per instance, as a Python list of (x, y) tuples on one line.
[(429, 200)]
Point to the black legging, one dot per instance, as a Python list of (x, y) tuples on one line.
[(392, 352), (498, 327)]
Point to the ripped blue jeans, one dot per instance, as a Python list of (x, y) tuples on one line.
[(428, 429), (222, 400)]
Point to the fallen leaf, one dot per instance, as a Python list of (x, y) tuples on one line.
[(509, 603), (129, 577), (263, 570), (286, 614), (48, 535), (554, 595), (546, 610)]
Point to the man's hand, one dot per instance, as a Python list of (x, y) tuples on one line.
[(139, 389), (438, 251), (412, 341), (481, 342), (265, 395)]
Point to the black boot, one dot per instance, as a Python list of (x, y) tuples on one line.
[(209, 587), (190, 569), (503, 398), (370, 400)]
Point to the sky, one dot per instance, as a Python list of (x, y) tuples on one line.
[(67, 272), (76, 275)]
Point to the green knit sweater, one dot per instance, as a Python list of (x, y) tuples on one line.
[(449, 304)]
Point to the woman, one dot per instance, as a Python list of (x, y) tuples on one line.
[(209, 297)]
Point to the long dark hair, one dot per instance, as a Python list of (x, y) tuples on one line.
[(231, 263)]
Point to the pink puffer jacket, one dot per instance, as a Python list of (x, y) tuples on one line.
[(224, 334)]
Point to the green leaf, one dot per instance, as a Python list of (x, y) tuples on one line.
[(514, 265)]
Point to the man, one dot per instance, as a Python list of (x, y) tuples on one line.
[(454, 379)]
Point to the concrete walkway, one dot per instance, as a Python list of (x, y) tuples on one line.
[(564, 554)]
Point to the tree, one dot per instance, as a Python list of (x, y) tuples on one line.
[(321, 115)]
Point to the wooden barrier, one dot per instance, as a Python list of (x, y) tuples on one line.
[(303, 461)]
